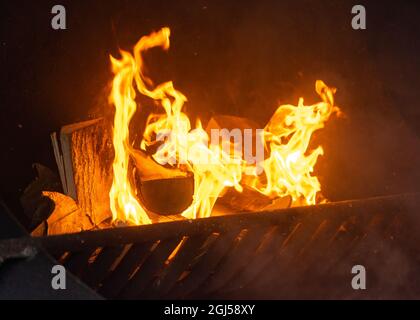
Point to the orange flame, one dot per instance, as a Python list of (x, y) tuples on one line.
[(287, 169)]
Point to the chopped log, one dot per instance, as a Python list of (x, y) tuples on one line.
[(161, 190), (250, 200), (167, 196), (148, 169), (41, 230), (67, 216), (279, 203), (84, 158)]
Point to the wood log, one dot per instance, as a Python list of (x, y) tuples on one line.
[(161, 190), (67, 216), (84, 156), (148, 169), (250, 200)]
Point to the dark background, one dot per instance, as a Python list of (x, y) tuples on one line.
[(233, 57)]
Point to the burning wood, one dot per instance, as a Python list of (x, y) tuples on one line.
[(161, 190), (83, 154), (287, 170), (189, 168), (67, 216), (148, 169)]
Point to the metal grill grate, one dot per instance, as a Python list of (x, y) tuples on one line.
[(305, 252)]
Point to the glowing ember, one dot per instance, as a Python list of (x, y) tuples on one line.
[(286, 170)]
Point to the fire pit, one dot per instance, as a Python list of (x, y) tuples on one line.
[(233, 187), (178, 170)]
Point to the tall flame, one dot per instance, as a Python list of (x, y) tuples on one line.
[(124, 205), (287, 169), (287, 135)]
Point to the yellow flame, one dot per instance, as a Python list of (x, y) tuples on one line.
[(124, 205), (287, 169)]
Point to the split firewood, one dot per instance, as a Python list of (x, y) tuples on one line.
[(41, 230), (279, 203), (163, 191), (250, 200), (67, 216), (84, 156), (148, 169)]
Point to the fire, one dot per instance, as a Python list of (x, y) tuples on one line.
[(287, 170), (123, 202), (289, 167)]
